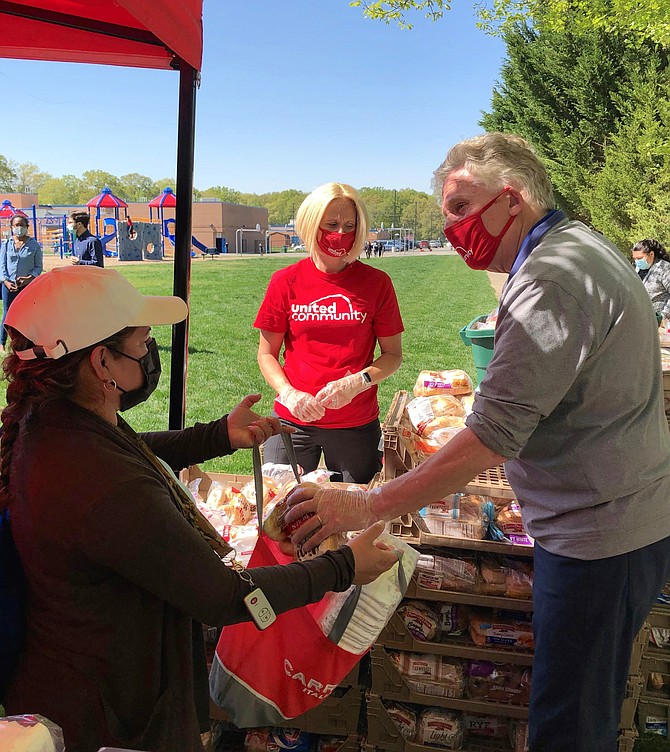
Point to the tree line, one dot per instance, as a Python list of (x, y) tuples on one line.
[(587, 83), (406, 208)]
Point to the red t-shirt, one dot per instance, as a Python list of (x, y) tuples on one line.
[(331, 323)]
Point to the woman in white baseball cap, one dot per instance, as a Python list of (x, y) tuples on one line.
[(118, 561)]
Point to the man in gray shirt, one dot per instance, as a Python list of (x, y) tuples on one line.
[(572, 402)]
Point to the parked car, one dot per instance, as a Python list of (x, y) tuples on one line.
[(435, 244), (424, 244)]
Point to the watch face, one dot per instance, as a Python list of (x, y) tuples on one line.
[(367, 377)]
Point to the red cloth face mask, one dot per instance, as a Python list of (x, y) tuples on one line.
[(336, 244), (473, 241)]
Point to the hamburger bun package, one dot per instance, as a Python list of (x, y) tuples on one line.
[(442, 382)]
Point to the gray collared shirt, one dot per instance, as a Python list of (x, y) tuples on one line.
[(573, 397)]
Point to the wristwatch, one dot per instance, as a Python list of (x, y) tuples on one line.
[(366, 377)]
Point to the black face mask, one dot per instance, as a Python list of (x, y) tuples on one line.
[(151, 367)]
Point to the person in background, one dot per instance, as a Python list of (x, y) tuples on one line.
[(87, 248), (131, 228), (575, 380), (20, 263), (120, 565), (653, 267), (328, 313)]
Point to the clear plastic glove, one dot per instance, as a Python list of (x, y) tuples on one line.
[(339, 393), (302, 405), (246, 428), (331, 510), (372, 557)]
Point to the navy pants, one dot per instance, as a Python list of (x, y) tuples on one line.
[(352, 453), (586, 616), (8, 298)]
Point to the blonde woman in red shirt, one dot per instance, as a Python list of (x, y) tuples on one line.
[(321, 323)]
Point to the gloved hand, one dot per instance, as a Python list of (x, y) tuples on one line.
[(339, 393), (331, 510), (301, 404)]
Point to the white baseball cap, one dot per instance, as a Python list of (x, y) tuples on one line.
[(74, 307)]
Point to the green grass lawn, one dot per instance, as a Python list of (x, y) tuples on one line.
[(438, 295)]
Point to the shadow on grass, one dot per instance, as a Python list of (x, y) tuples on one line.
[(191, 350)]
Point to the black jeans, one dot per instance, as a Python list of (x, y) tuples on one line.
[(353, 454)]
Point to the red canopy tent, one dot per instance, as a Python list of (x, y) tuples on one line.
[(135, 33)]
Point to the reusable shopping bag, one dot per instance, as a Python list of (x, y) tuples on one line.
[(262, 678)]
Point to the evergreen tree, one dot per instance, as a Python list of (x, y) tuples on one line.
[(563, 91), (629, 199)]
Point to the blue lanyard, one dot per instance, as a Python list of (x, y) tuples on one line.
[(537, 232)]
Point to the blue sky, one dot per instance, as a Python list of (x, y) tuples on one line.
[(294, 93)]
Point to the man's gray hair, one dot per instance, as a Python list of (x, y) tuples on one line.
[(497, 160)]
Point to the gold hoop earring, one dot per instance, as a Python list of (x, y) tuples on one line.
[(109, 389)]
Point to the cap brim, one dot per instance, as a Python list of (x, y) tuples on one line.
[(157, 310)]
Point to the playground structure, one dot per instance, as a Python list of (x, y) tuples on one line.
[(132, 231)]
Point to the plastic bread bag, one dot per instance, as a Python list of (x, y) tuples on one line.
[(458, 515), (30, 733), (420, 619), (428, 674), (194, 488), (438, 727), (518, 579), (442, 382), (404, 718), (375, 605), (456, 573), (422, 411)]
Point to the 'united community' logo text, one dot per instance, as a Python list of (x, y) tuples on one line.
[(330, 308)]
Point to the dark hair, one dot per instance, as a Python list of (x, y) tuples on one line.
[(80, 216), (33, 384), (21, 217), (651, 246)]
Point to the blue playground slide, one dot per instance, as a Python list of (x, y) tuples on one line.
[(108, 222), (170, 236), (200, 246)]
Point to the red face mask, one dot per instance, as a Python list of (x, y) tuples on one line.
[(336, 244), (473, 241)]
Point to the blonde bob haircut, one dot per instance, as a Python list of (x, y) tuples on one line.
[(311, 211), (496, 160)]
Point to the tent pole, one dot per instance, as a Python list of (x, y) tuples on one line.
[(188, 79)]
